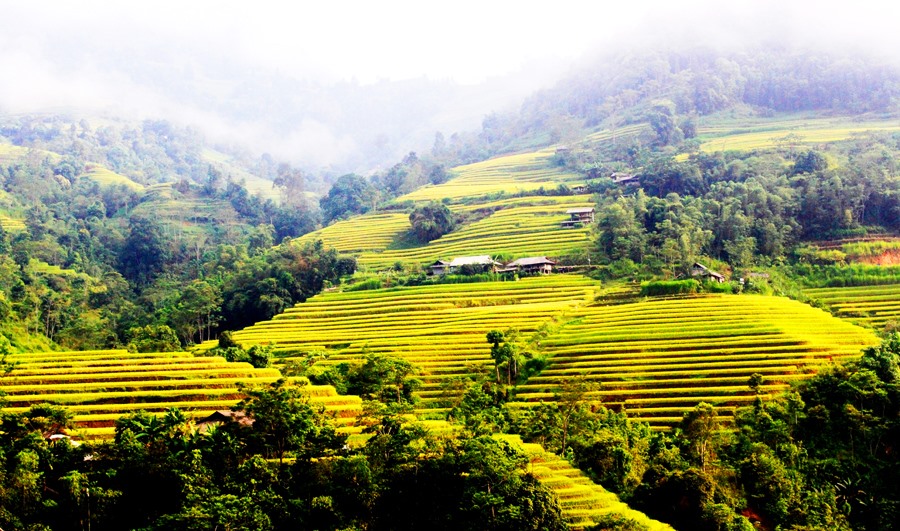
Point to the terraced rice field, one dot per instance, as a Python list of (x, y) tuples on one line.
[(517, 231), (582, 501), (768, 134), (873, 306), (100, 386), (657, 359), (511, 173), (439, 328), (369, 232), (254, 184), (521, 226), (105, 177), (11, 153), (613, 135), (10, 224)]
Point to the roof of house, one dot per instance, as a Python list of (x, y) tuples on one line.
[(708, 271), (440, 263), (472, 260), (581, 210), (623, 177), (533, 260), (224, 415)]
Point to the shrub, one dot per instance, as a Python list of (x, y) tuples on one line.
[(656, 288)]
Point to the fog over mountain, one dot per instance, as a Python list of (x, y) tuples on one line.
[(355, 85)]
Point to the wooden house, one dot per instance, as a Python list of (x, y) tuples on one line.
[(701, 271), (535, 264), (578, 216), (441, 267), (482, 263), (625, 178)]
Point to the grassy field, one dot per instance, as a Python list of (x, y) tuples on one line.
[(657, 359), (439, 328), (100, 386), (511, 173)]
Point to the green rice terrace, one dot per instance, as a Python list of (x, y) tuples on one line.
[(750, 134), (439, 328), (658, 358), (654, 359), (10, 224), (873, 306), (516, 227), (516, 231), (511, 173), (582, 501), (100, 386)]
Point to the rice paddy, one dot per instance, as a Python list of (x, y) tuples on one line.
[(507, 174), (657, 359), (10, 224), (873, 306), (438, 328), (764, 134), (516, 231), (369, 232), (582, 501), (98, 387), (105, 177)]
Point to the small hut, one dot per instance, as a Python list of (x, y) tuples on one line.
[(441, 267), (701, 271), (534, 264), (483, 262), (577, 217)]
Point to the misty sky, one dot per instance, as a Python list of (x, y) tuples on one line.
[(321, 82)]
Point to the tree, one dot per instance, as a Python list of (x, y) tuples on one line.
[(431, 221), (284, 421), (350, 194), (153, 338), (145, 252), (662, 120), (291, 182), (196, 311), (506, 355)]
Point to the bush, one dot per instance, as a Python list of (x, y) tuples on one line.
[(618, 522), (365, 285), (718, 287), (655, 288)]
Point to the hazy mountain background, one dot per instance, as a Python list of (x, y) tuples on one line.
[(354, 87)]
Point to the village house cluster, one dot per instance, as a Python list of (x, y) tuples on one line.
[(486, 264)]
